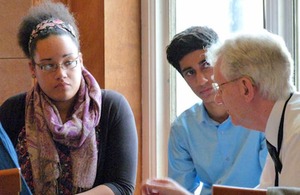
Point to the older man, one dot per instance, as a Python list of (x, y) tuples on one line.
[(253, 78)]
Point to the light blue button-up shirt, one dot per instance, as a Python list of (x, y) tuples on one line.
[(202, 150), (9, 159)]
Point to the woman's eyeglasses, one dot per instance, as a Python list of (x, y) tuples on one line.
[(67, 65)]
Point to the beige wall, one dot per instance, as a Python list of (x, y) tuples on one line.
[(111, 47), (123, 58), (14, 75)]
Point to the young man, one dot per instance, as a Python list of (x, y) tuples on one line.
[(204, 145), (254, 81)]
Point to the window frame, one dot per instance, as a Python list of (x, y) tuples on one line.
[(155, 88)]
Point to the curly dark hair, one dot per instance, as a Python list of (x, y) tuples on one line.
[(187, 41), (44, 11)]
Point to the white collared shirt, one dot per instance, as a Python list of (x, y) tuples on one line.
[(290, 149)]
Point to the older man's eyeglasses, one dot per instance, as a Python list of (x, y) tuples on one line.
[(67, 65), (217, 86)]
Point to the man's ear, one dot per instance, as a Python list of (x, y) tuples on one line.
[(247, 89)]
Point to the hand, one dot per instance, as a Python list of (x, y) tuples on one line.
[(165, 186)]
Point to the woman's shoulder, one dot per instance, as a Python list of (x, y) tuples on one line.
[(114, 106), (111, 95), (18, 98), (113, 100), (14, 103), (12, 115)]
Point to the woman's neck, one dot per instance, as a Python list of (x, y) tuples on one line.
[(65, 109)]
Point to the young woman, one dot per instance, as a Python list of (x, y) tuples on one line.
[(71, 136)]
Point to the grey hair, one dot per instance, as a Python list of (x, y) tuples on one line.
[(262, 56)]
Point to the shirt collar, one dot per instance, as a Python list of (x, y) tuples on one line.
[(273, 122)]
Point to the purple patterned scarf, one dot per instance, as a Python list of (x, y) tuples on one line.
[(44, 126)]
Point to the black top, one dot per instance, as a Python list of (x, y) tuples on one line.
[(117, 151)]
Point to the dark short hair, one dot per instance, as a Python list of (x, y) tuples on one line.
[(187, 41)]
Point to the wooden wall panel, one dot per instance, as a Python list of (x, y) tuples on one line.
[(14, 73), (10, 17), (90, 18), (14, 77), (123, 58)]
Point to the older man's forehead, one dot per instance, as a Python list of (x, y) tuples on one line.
[(217, 71)]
